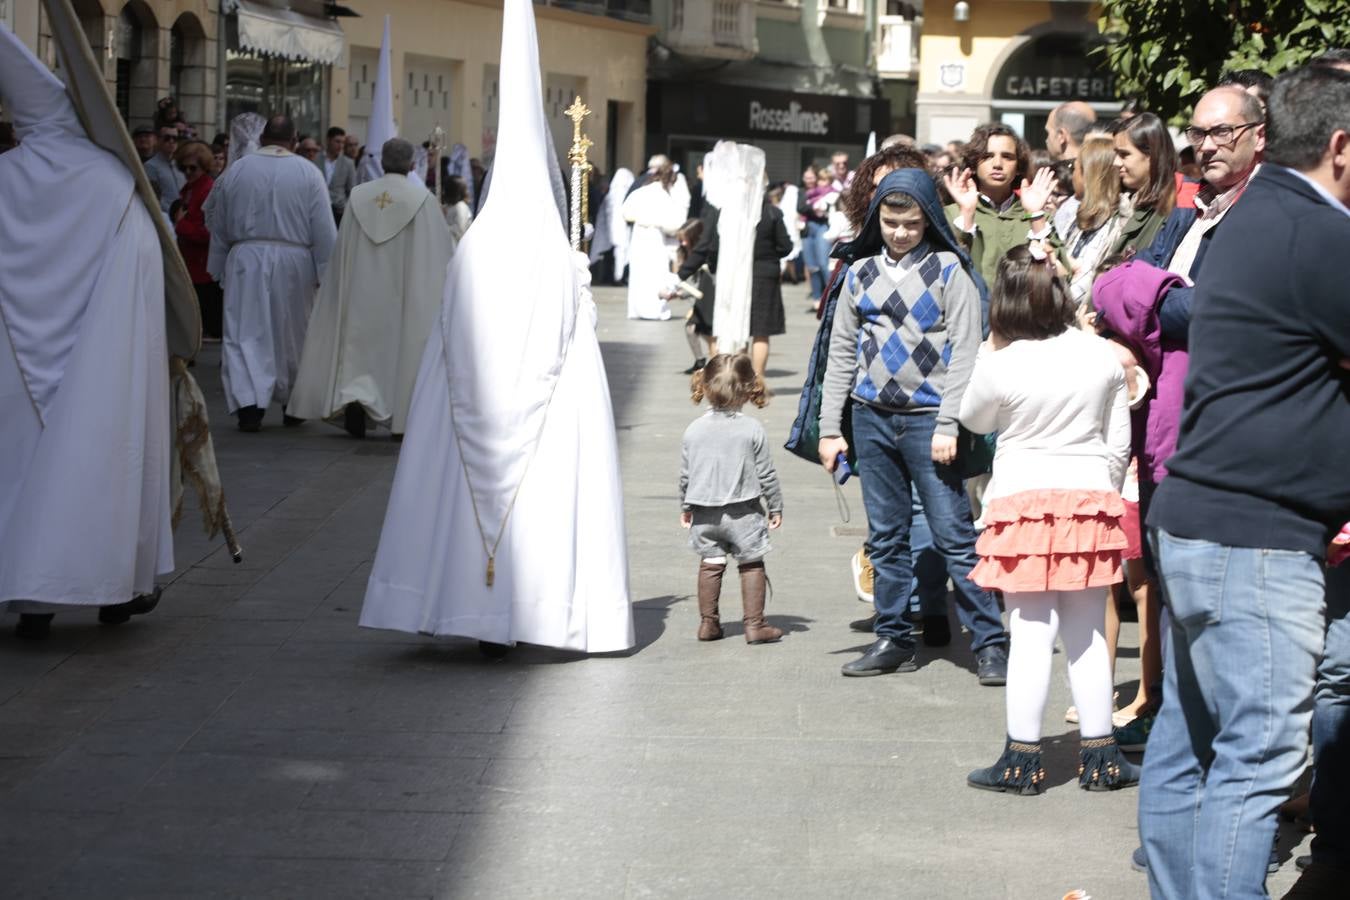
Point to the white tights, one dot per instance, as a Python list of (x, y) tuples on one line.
[(1079, 617)]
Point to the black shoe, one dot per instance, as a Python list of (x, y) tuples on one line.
[(698, 366), (250, 418), (137, 606), (493, 651), (991, 665), (883, 656), (866, 626), (1302, 862), (937, 631), (290, 421), (34, 626), (1102, 767), (1017, 771), (354, 420), (1138, 861)]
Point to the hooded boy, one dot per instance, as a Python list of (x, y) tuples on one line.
[(907, 328)]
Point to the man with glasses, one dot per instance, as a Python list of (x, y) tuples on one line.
[(164, 177)]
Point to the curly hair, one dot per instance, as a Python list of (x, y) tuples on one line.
[(977, 149), (728, 381), (858, 195)]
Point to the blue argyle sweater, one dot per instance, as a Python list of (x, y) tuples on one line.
[(904, 340)]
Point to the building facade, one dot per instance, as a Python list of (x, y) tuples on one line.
[(794, 77), (315, 61), (1009, 61)]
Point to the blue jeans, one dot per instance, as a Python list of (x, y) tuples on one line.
[(1331, 730), (816, 255), (928, 591), (1232, 735), (895, 455)]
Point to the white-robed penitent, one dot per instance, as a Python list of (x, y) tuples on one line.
[(734, 180), (656, 214), (380, 298), (272, 233), (505, 522), (611, 229), (85, 448)]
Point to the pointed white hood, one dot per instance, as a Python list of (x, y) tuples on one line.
[(510, 293), (382, 126)]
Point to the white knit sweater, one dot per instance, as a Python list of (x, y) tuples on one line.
[(1061, 411)]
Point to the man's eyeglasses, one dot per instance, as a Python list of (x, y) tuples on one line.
[(1222, 135)]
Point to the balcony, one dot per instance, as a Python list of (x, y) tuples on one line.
[(718, 29), (627, 10), (897, 47)]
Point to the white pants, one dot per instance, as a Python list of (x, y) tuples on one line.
[(1079, 617)]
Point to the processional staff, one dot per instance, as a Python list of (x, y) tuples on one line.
[(437, 142), (581, 169)]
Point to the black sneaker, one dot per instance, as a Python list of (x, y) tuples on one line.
[(698, 366)]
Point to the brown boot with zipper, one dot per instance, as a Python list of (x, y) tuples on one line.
[(709, 592), (754, 587)]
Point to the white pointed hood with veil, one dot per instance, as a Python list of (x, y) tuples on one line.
[(505, 522), (733, 176)]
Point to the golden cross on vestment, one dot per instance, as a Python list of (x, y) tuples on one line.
[(383, 200)]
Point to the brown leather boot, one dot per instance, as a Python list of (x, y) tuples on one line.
[(709, 592), (754, 583)]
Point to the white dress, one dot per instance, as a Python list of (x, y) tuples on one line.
[(84, 382), (656, 214), (272, 232)]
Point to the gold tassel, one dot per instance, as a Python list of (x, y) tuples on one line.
[(491, 571)]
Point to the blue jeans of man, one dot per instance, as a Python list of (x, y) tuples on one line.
[(1232, 734), (928, 592), (816, 255), (1331, 730), (894, 452)]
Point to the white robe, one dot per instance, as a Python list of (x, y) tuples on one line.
[(379, 300), (272, 232), (505, 522), (561, 572), (84, 379), (656, 214), (611, 231)]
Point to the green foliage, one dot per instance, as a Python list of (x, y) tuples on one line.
[(1167, 53)]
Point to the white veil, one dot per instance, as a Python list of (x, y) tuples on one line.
[(245, 135), (735, 185)]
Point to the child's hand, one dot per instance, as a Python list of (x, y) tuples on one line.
[(687, 519), (775, 520), (829, 449), (1339, 550), (944, 449)]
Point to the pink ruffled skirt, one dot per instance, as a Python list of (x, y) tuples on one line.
[(1051, 540)]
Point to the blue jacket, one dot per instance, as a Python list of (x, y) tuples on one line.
[(1175, 313)]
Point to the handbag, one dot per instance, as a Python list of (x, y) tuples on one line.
[(974, 453)]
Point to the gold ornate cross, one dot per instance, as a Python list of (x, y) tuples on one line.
[(576, 112), (383, 200)]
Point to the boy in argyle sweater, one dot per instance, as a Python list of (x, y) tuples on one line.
[(906, 333)]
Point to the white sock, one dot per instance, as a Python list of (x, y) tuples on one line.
[(1080, 619), (1033, 621), (1082, 628)]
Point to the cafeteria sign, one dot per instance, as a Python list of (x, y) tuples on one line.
[(1056, 67)]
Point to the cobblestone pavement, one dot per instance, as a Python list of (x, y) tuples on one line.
[(248, 740)]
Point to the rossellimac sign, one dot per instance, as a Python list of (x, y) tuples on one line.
[(791, 119), (743, 113)]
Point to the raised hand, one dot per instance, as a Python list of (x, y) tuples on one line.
[(1036, 193), (964, 191)]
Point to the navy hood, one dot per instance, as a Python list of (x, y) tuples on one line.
[(918, 184)]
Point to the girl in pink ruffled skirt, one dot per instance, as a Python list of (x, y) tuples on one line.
[(1052, 542)]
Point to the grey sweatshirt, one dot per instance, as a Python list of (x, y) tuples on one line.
[(905, 338), (725, 459)]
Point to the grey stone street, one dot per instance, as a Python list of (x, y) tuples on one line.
[(247, 739)]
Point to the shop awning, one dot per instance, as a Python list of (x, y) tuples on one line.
[(284, 32)]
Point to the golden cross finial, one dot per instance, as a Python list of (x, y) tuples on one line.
[(383, 200), (576, 112)]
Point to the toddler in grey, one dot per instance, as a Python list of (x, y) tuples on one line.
[(726, 479)]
